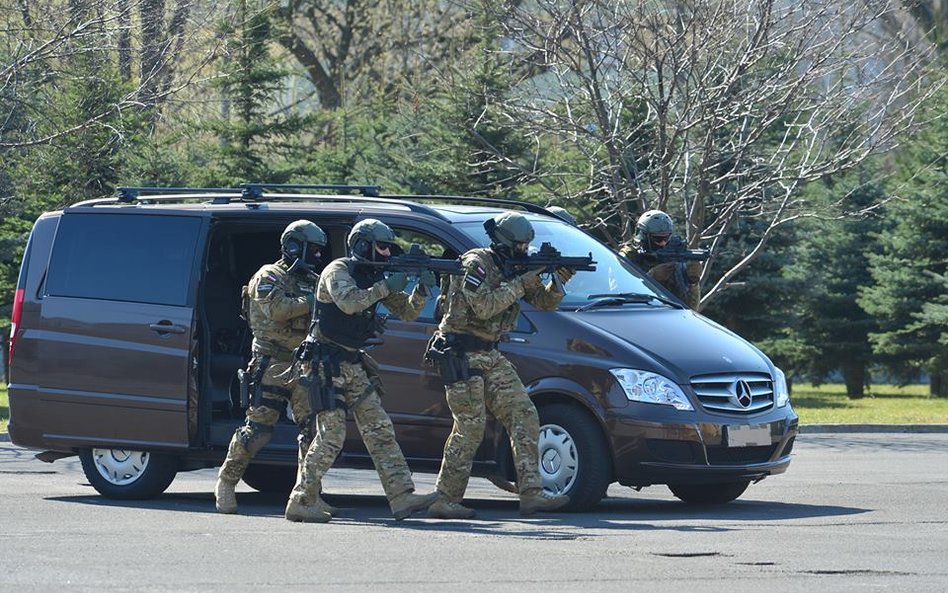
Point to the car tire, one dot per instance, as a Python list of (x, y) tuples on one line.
[(277, 479), (709, 494), (128, 475), (574, 457)]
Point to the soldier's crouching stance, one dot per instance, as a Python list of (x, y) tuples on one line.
[(478, 308), (344, 376), (278, 304)]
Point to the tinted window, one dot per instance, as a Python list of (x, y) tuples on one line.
[(144, 259)]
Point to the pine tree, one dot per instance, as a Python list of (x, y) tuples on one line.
[(831, 264), (908, 274), (258, 138)]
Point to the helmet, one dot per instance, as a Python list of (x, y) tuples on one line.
[(300, 243), (509, 233), (365, 235), (562, 213), (652, 222), (508, 229)]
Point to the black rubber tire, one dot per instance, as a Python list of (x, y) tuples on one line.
[(709, 494), (594, 461), (278, 479), (154, 472)]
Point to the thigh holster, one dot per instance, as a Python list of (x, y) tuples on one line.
[(449, 353)]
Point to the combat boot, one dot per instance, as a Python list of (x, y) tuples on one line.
[(533, 501), (325, 506), (302, 513), (225, 499), (407, 503), (445, 509)]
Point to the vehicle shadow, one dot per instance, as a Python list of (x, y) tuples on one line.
[(501, 517)]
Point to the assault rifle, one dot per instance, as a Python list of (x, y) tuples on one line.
[(676, 251), (415, 261), (548, 259)]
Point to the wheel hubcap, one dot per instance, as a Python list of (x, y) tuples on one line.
[(559, 462), (120, 467)]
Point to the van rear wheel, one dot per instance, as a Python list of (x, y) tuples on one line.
[(708, 494), (126, 474), (574, 458)]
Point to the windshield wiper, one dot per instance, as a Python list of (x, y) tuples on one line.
[(621, 298)]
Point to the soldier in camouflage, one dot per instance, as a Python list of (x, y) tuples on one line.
[(478, 308), (653, 230), (278, 303), (348, 294)]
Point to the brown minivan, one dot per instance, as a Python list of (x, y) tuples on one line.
[(127, 338)]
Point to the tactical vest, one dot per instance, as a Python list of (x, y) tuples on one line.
[(351, 331)]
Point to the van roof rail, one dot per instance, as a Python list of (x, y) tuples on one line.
[(254, 192), (130, 194)]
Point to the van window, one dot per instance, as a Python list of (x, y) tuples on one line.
[(142, 259)]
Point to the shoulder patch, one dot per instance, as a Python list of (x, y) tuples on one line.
[(472, 282), (264, 289)]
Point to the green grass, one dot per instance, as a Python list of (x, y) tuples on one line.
[(826, 404), (884, 404), (4, 408)]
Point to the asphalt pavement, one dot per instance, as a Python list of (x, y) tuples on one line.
[(853, 513)]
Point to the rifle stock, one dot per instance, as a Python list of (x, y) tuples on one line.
[(415, 261)]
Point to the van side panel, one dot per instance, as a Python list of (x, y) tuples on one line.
[(100, 370), (109, 378)]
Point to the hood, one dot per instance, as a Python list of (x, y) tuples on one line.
[(677, 343)]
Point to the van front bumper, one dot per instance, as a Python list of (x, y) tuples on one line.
[(647, 453)]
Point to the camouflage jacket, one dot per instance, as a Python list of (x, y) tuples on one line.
[(484, 304), (336, 285), (666, 273), (278, 308)]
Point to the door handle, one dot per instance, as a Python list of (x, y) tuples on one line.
[(166, 327)]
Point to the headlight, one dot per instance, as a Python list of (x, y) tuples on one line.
[(781, 394), (650, 388)]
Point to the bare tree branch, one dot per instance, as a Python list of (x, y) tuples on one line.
[(715, 110)]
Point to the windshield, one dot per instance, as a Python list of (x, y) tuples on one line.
[(613, 275)]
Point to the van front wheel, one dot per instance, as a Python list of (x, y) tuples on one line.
[(126, 474), (574, 458)]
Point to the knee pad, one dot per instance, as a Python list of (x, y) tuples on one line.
[(254, 436)]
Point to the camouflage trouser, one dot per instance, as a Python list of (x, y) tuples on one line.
[(258, 428), (499, 389), (374, 426)]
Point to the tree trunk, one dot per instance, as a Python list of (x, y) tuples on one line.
[(854, 375), (938, 384)]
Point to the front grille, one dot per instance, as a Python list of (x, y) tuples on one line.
[(740, 455), (718, 393)]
